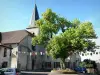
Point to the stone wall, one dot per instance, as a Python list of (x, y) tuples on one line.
[(24, 58)]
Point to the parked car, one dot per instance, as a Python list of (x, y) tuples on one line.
[(10, 71), (81, 69), (1, 72)]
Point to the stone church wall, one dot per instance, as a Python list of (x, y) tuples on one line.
[(24, 58)]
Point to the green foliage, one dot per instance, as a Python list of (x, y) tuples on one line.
[(82, 64), (87, 65), (90, 63), (57, 47), (75, 37), (75, 23)]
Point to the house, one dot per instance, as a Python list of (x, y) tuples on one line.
[(5, 56), (95, 56), (20, 42)]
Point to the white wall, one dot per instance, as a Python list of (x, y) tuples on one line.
[(14, 55), (95, 57)]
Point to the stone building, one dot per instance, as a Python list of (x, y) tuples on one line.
[(20, 43)]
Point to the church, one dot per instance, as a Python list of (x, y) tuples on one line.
[(17, 51)]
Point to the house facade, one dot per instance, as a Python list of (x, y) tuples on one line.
[(5, 56), (21, 49)]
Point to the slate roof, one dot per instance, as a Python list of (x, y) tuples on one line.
[(13, 36)]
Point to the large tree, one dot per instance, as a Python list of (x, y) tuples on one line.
[(75, 36)]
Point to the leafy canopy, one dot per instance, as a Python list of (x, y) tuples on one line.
[(75, 35)]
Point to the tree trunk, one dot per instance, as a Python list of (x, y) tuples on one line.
[(62, 63), (51, 34)]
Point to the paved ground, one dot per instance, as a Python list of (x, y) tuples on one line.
[(47, 73)]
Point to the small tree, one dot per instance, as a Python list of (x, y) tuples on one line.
[(75, 36)]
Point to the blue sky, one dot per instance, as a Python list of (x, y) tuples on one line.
[(16, 14)]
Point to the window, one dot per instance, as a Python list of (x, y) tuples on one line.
[(67, 64), (10, 52), (4, 65), (74, 64), (33, 48), (47, 57), (48, 64), (82, 54), (5, 52), (90, 53), (56, 64), (96, 52)]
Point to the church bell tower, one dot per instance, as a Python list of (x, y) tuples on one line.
[(32, 28)]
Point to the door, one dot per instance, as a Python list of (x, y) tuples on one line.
[(32, 64)]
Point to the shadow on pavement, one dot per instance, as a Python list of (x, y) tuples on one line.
[(32, 74)]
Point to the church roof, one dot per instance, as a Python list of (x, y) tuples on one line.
[(13, 36), (35, 16)]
